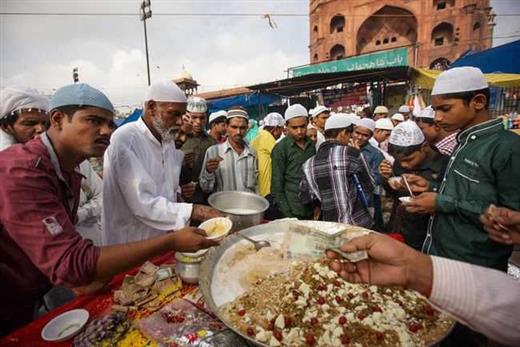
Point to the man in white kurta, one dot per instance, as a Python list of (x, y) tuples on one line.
[(141, 174)]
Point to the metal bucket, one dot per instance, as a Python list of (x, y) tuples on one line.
[(243, 208)]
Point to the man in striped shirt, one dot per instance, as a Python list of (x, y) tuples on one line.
[(338, 177), (231, 165)]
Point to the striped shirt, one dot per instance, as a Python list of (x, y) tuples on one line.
[(235, 171), (329, 178)]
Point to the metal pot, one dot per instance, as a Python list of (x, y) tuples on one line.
[(243, 208)]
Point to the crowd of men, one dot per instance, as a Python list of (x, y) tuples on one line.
[(64, 225)]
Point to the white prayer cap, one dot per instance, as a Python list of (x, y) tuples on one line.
[(319, 110), (274, 119), (380, 109), (13, 99), (427, 112), (367, 123), (384, 124), (165, 91), (398, 117), (406, 134), (216, 115), (337, 121), (294, 111), (459, 80), (404, 109), (310, 111), (197, 104)]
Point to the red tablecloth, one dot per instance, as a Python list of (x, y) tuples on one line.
[(30, 335)]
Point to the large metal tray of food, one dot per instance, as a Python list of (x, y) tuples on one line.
[(285, 295)]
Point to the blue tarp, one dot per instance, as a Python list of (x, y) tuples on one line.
[(245, 100), (502, 59), (132, 118)]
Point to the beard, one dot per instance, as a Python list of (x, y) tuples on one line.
[(167, 134)]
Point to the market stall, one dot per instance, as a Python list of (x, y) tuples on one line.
[(219, 313)]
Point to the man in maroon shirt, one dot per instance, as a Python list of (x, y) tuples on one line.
[(39, 196)]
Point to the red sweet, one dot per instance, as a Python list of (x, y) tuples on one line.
[(321, 300), (278, 335), (287, 321), (250, 331), (339, 299), (314, 320), (345, 339), (241, 313), (337, 283), (310, 339), (342, 320), (415, 327)]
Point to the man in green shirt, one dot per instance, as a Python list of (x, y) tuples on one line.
[(288, 157), (483, 170)]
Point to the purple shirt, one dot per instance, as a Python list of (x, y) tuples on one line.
[(39, 246)]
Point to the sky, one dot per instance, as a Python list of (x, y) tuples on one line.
[(219, 51)]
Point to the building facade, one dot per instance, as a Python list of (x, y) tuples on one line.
[(436, 32)]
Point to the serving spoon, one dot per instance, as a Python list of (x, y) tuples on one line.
[(258, 244)]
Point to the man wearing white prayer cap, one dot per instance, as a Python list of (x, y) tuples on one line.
[(413, 155), (405, 111), (23, 115), (231, 165), (217, 125), (363, 132), (287, 158), (196, 145), (319, 116), (263, 144), (383, 128), (380, 112), (484, 170), (338, 198), (142, 171), (397, 118), (436, 136)]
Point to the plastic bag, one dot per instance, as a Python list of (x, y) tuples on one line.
[(181, 323)]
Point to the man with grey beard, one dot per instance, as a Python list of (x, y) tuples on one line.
[(141, 173)]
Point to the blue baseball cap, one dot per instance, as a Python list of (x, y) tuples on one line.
[(80, 94)]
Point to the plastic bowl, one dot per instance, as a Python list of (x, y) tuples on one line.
[(65, 326), (217, 228)]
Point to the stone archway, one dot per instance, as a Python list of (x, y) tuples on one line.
[(337, 52), (387, 28)]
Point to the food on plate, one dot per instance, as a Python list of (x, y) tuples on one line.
[(217, 228), (312, 306)]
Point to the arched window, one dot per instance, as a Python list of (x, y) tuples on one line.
[(442, 34), (385, 41), (315, 29), (394, 39), (442, 4), (315, 58), (337, 23), (337, 52), (476, 26), (378, 42)]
